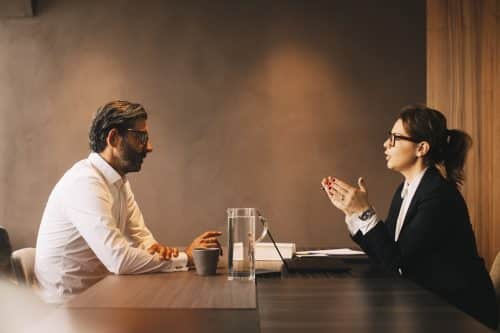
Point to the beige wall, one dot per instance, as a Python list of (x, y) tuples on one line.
[(250, 105)]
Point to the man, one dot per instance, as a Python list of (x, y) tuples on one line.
[(92, 224)]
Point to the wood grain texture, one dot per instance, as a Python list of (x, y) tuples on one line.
[(356, 305), (462, 82), (182, 290), (495, 223), (149, 320)]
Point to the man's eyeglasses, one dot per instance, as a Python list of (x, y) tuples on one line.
[(142, 136), (393, 137)]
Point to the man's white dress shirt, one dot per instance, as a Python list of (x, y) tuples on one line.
[(91, 226)]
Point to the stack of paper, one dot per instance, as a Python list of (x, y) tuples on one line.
[(267, 251), (329, 252)]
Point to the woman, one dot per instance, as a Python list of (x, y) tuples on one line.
[(427, 236)]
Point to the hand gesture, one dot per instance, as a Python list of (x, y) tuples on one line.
[(164, 252), (347, 198), (206, 240)]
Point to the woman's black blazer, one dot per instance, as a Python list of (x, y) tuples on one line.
[(436, 247)]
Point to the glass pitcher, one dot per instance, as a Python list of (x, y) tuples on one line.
[(241, 242)]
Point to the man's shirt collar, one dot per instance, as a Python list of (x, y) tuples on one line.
[(110, 174)]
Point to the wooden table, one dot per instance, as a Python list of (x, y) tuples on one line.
[(183, 290), (361, 300), (356, 305), (365, 299)]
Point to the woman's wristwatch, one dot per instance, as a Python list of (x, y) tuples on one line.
[(367, 214)]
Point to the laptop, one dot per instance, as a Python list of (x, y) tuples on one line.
[(307, 264)]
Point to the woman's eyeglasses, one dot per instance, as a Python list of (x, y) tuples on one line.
[(142, 136), (393, 137)]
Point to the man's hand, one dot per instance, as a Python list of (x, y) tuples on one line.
[(165, 252), (206, 240), (345, 197)]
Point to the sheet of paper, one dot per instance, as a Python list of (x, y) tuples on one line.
[(307, 254), (329, 252)]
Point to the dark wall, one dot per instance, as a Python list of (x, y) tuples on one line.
[(250, 105)]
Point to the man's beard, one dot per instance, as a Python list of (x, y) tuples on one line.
[(131, 159)]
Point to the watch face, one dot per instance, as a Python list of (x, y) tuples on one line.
[(367, 214)]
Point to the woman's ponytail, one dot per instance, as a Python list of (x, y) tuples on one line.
[(454, 155)]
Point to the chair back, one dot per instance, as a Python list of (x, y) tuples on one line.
[(495, 278), (5, 253), (495, 274), (23, 265)]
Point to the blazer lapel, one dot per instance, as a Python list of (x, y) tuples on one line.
[(392, 217), (427, 182)]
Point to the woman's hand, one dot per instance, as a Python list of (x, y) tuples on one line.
[(347, 198)]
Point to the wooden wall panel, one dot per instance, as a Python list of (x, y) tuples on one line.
[(496, 139), (462, 82)]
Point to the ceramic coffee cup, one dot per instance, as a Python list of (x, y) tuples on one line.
[(205, 260)]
